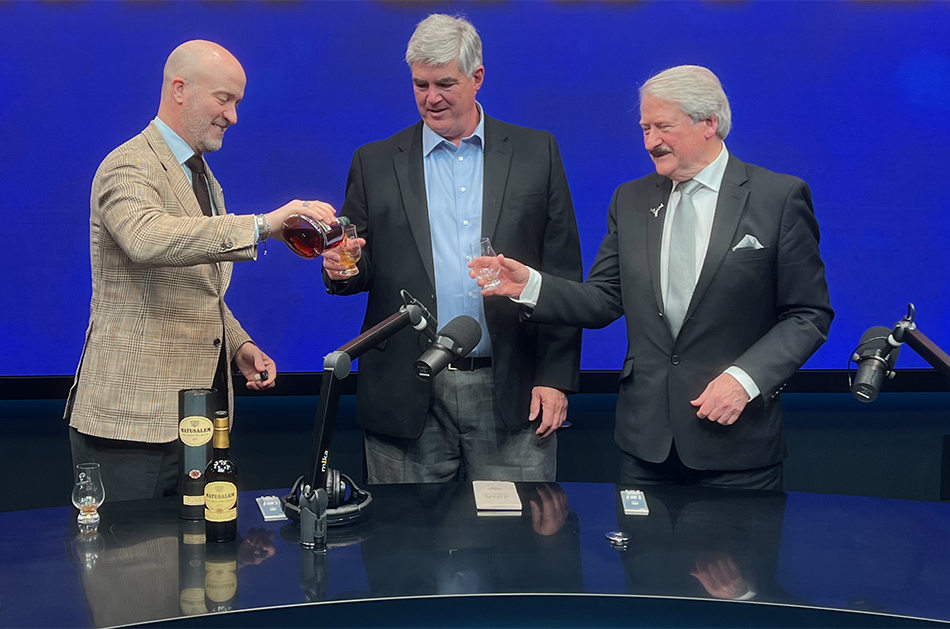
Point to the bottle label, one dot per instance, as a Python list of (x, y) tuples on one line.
[(195, 430), (193, 501), (220, 501), (221, 582), (193, 538), (192, 601)]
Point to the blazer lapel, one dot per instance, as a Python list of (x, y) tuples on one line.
[(173, 170), (659, 200), (223, 268), (729, 208), (410, 173), (217, 193), (495, 177)]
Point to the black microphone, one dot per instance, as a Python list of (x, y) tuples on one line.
[(876, 356), (455, 340)]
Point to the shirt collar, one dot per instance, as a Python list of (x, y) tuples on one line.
[(431, 139), (179, 147), (711, 176)]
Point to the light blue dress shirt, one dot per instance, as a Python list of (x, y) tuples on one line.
[(454, 177)]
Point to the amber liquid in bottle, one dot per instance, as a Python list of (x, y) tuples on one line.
[(221, 486), (309, 238)]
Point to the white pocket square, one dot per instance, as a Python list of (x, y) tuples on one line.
[(749, 242)]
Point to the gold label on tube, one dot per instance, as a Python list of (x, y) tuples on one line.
[(195, 430)]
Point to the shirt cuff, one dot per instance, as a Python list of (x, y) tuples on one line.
[(529, 296), (745, 380)]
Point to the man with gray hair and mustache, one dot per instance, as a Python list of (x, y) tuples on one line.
[(420, 198), (715, 265)]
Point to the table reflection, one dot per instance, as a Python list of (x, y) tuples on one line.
[(705, 544), (429, 539), (144, 563)]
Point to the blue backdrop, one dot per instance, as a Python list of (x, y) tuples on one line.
[(854, 97)]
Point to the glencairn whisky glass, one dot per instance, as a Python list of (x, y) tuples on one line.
[(88, 494)]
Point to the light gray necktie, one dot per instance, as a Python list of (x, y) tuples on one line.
[(682, 270)]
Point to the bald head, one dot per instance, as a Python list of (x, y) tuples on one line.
[(201, 87)]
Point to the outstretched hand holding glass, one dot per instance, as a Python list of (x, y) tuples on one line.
[(488, 274), (498, 275)]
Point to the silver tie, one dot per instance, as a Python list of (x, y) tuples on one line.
[(682, 270)]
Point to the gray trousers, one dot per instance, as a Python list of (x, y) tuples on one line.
[(463, 439)]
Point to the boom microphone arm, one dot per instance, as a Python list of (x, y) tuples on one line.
[(905, 331), (876, 355), (313, 502)]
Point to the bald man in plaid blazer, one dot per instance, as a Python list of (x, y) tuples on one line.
[(161, 264)]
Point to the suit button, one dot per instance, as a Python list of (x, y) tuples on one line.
[(227, 245), (217, 342), (675, 359)]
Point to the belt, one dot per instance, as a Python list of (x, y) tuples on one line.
[(469, 364)]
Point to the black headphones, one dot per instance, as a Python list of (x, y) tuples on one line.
[(347, 502)]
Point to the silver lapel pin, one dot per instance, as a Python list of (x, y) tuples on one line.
[(656, 210)]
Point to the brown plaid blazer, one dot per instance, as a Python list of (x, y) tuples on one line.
[(159, 273)]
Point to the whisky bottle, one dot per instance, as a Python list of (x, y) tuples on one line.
[(308, 237), (221, 486)]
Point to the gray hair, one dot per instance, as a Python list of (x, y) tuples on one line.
[(696, 90), (441, 39)]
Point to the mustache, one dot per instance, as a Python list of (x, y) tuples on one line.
[(660, 151)]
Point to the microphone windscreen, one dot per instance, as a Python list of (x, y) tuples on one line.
[(878, 332), (464, 332), (874, 341)]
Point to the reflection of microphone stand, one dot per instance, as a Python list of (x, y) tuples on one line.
[(313, 574), (314, 501), (313, 564)]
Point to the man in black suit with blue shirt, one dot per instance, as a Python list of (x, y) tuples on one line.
[(723, 288), (420, 198)]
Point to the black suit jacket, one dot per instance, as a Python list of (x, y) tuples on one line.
[(765, 310), (528, 214)]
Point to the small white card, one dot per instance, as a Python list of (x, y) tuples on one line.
[(270, 508), (634, 502), (496, 495)]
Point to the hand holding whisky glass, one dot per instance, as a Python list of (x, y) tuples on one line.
[(350, 252), (480, 249), (88, 494)]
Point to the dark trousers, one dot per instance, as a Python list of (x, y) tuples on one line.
[(130, 470), (635, 471)]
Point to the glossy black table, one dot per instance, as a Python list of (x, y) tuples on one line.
[(425, 558)]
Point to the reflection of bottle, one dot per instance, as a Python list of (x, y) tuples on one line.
[(308, 237), (221, 583), (191, 567), (221, 486), (195, 407)]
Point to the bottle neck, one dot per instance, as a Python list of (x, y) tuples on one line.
[(221, 440)]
